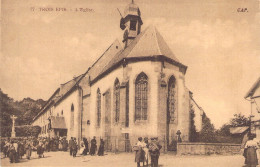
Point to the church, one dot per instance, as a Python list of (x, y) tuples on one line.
[(134, 90)]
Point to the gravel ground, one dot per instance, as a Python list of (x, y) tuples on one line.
[(127, 160)]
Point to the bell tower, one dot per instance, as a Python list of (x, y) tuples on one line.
[(131, 22)]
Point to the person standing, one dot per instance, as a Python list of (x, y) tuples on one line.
[(139, 152), (85, 152), (12, 152), (28, 149), (16, 156), (93, 146), (74, 147), (154, 149), (21, 149), (146, 150), (40, 150), (6, 148), (60, 144), (70, 145), (250, 153), (82, 148), (101, 148)]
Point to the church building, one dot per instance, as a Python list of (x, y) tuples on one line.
[(134, 90)]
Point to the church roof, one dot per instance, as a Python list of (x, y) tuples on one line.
[(111, 51), (148, 44)]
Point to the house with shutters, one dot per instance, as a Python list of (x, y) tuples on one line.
[(134, 90)]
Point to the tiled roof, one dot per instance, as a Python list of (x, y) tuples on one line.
[(98, 66), (149, 43), (238, 130), (64, 88)]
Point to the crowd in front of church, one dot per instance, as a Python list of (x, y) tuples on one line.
[(16, 148)]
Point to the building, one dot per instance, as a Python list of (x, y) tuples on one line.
[(133, 90), (253, 95)]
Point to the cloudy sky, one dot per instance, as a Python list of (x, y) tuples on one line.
[(221, 46)]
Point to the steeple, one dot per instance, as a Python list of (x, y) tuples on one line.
[(131, 22)]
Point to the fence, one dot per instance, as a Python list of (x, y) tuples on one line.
[(208, 148)]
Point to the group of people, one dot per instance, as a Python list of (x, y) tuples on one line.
[(15, 149), (84, 147), (145, 149)]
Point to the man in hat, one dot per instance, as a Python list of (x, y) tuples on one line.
[(154, 149)]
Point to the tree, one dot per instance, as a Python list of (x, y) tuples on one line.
[(240, 120), (207, 133), (193, 137)]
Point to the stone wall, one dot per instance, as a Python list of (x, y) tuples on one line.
[(207, 148)]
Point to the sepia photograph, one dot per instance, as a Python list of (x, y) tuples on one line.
[(130, 83)]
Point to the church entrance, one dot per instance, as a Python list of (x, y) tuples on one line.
[(108, 144)]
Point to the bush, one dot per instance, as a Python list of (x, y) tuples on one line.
[(25, 131)]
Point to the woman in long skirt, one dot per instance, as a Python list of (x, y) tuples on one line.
[(250, 152), (85, 152), (101, 148), (82, 148), (139, 152), (93, 146)]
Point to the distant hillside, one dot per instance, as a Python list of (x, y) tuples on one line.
[(25, 110)]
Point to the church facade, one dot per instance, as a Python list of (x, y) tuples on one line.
[(133, 90)]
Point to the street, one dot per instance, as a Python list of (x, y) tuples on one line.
[(126, 160)]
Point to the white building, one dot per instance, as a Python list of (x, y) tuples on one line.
[(130, 91), (253, 96)]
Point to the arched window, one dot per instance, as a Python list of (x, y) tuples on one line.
[(141, 90), (98, 107), (171, 98), (72, 108), (117, 100), (61, 112), (72, 118)]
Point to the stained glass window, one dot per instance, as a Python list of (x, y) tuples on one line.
[(117, 100), (141, 90), (98, 107), (171, 98)]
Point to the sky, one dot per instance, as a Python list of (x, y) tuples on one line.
[(220, 44)]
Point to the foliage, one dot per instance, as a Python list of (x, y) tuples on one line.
[(24, 131), (25, 110), (194, 136), (223, 135), (207, 133), (240, 120)]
